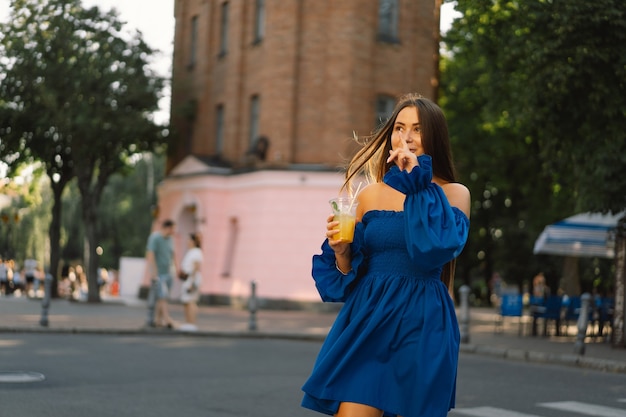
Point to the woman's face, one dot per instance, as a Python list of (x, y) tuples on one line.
[(407, 131)]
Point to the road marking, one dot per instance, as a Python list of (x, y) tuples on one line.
[(16, 377), (490, 412), (587, 409)]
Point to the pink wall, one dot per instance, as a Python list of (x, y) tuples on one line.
[(280, 220)]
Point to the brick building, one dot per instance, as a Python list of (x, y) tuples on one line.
[(302, 73), (265, 97)]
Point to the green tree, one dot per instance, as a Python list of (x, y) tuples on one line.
[(534, 92), (125, 214), (557, 69), (508, 191), (80, 84), (72, 231), (32, 126), (25, 215)]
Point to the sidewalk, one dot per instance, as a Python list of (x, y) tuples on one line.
[(118, 316)]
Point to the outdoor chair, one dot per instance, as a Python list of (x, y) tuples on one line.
[(604, 310), (511, 305), (550, 310), (572, 311)]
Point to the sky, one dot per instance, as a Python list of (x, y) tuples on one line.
[(155, 20)]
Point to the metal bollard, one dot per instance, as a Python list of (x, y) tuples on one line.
[(583, 320), (464, 292), (252, 307), (45, 303)]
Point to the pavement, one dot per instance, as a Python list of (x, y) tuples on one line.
[(127, 316)]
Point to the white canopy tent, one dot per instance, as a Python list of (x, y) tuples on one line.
[(585, 234)]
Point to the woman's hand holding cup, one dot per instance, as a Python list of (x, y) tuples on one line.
[(340, 247)]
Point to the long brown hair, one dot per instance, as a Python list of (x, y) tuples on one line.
[(371, 159)]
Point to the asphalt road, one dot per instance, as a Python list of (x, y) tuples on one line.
[(490, 387), (165, 376), (98, 376)]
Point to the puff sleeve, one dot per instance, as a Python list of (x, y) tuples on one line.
[(435, 231), (332, 285)]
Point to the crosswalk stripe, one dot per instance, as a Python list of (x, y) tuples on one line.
[(587, 409), (489, 412)]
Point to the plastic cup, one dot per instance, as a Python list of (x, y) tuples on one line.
[(344, 209)]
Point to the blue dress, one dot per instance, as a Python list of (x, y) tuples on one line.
[(395, 342)]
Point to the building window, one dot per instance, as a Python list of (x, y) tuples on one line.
[(259, 21), (255, 104), (224, 30), (193, 42), (219, 129), (384, 108), (388, 20)]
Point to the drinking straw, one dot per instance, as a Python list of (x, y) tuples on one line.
[(354, 196)]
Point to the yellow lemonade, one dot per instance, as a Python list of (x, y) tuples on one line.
[(346, 227)]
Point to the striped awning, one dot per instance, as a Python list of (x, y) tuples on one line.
[(586, 234)]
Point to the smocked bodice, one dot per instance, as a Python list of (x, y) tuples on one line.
[(386, 249)]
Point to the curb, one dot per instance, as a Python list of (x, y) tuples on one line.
[(520, 355), (156, 332)]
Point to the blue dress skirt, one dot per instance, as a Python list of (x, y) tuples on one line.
[(395, 342)]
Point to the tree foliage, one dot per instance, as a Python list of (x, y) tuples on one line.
[(557, 71), (25, 209), (77, 94), (535, 96), (125, 214)]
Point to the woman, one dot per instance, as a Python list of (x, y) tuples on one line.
[(393, 349), (190, 290)]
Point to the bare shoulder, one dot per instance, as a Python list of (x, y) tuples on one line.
[(458, 196), (366, 197), (378, 196), (369, 191)]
